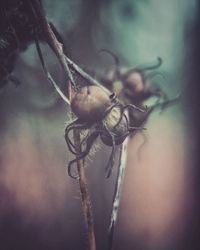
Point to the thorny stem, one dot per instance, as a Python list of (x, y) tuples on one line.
[(58, 49)]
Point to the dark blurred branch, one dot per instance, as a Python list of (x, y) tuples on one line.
[(191, 78)]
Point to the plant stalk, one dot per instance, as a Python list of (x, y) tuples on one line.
[(85, 197), (58, 50), (117, 192)]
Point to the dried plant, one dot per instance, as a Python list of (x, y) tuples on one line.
[(98, 110)]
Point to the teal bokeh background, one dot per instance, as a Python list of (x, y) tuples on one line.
[(40, 208)]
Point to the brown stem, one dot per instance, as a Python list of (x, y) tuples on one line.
[(58, 50), (86, 203), (51, 39), (85, 75)]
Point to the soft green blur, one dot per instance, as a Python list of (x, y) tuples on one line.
[(136, 31), (143, 30)]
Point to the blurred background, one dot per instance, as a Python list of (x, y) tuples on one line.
[(40, 206)]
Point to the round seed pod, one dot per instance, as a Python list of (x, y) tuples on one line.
[(116, 125), (91, 103), (134, 81)]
